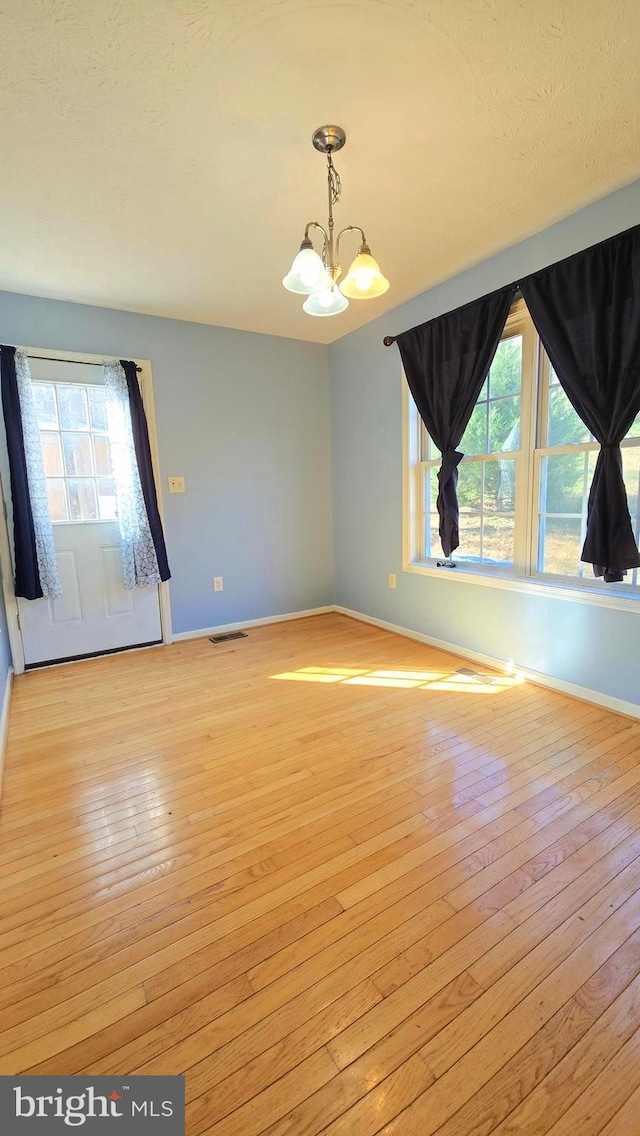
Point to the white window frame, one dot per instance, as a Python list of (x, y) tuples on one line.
[(524, 576)]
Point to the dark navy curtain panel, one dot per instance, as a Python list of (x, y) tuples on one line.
[(446, 362), (143, 457), (587, 312), (27, 579)]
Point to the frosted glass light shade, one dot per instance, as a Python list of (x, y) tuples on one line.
[(325, 302), (364, 279), (307, 272)]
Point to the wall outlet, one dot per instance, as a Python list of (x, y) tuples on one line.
[(392, 579), (176, 484), (218, 583)]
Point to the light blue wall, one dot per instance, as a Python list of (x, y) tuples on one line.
[(245, 419), (591, 646)]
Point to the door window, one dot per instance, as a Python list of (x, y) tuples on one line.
[(72, 420)]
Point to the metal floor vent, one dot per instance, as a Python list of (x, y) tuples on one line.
[(228, 635), (484, 678)]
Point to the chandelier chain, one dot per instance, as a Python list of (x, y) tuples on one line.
[(334, 181)]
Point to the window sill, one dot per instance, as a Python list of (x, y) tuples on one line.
[(531, 585)]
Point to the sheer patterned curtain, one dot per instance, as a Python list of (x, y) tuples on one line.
[(143, 555), (35, 554)]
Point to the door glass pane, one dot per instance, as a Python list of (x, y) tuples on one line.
[(107, 498), (51, 453), (77, 453), (97, 409), (82, 499), (45, 400), (72, 403), (57, 499), (102, 455)]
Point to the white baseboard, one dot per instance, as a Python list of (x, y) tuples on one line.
[(584, 693), (4, 722), (222, 627)]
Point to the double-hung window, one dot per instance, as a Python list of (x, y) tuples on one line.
[(523, 484)]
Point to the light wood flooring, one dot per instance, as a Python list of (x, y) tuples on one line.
[(340, 886)]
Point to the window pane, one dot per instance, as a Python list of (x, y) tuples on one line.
[(97, 408), (561, 545), (430, 488), (57, 499), (470, 524), (431, 535), (72, 403), (77, 453), (499, 485), (505, 375), (470, 486), (474, 440), (497, 539), (51, 453), (565, 478), (107, 498), (102, 455), (631, 471), (635, 428), (504, 425), (565, 427), (45, 400), (82, 499)]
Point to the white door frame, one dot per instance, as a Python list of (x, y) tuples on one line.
[(6, 564)]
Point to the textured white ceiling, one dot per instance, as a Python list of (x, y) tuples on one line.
[(157, 154)]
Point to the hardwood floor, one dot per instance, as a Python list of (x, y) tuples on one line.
[(342, 884)]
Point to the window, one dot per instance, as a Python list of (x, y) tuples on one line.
[(75, 446), (523, 484)]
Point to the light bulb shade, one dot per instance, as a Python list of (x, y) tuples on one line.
[(307, 272), (325, 302), (364, 279)]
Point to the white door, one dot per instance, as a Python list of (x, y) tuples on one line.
[(95, 613)]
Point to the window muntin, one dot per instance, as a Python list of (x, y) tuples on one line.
[(75, 447), (523, 507)]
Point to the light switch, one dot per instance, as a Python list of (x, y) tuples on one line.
[(176, 484)]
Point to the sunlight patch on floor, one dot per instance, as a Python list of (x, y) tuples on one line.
[(463, 681)]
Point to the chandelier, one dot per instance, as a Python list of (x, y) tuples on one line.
[(315, 275)]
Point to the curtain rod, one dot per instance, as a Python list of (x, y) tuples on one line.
[(390, 339), (81, 362)]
